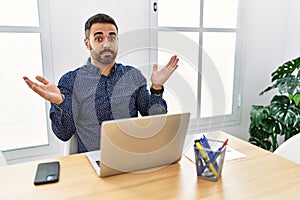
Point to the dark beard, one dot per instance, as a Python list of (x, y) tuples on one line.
[(107, 59)]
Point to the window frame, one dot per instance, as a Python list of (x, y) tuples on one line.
[(216, 122), (36, 152)]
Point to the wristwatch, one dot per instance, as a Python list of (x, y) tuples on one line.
[(157, 92)]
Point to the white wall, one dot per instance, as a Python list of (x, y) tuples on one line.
[(292, 44), (270, 37)]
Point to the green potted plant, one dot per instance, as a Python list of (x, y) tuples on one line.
[(282, 116)]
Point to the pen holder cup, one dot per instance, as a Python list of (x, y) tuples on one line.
[(209, 162)]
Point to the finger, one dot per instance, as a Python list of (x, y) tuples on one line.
[(36, 88), (174, 60), (29, 82), (174, 64), (39, 91), (42, 80), (26, 78), (170, 61), (155, 68), (171, 70)]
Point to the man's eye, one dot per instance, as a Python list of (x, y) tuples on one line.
[(99, 39), (112, 39)]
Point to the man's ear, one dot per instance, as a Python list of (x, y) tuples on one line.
[(87, 43)]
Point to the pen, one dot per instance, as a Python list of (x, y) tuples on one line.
[(200, 164), (224, 144), (214, 157), (210, 154), (205, 158)]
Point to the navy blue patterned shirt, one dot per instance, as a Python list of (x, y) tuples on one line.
[(91, 98)]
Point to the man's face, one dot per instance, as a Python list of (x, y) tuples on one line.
[(103, 43)]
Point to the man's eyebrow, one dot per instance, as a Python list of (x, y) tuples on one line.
[(98, 33), (101, 33)]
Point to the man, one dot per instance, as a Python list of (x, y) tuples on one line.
[(102, 89)]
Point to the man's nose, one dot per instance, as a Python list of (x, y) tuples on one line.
[(106, 43)]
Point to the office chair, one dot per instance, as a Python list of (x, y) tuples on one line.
[(2, 159), (289, 149), (71, 146)]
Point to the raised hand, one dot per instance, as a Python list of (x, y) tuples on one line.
[(158, 78), (46, 90)]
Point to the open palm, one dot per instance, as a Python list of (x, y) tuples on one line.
[(46, 90), (159, 77)]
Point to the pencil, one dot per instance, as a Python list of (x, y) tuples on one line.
[(204, 156)]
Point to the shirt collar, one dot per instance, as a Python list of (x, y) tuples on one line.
[(95, 69)]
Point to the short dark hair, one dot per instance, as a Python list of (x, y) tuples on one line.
[(98, 18)]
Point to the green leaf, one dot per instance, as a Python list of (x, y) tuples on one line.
[(268, 89), (281, 72), (289, 85), (290, 97), (259, 137), (271, 126), (296, 99), (283, 110), (286, 69), (258, 113), (290, 131)]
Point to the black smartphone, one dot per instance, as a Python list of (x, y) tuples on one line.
[(47, 173)]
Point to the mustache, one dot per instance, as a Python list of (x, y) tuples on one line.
[(107, 50)]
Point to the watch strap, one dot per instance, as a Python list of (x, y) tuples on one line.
[(154, 91)]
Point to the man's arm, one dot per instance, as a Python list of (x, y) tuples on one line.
[(159, 77), (61, 115), (61, 103), (154, 103), (150, 104)]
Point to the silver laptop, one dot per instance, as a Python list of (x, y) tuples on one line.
[(134, 144)]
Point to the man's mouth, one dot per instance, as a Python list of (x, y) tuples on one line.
[(107, 51)]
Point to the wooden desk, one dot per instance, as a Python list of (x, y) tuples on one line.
[(261, 175)]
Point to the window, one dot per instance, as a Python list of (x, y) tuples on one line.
[(205, 35), (24, 49)]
